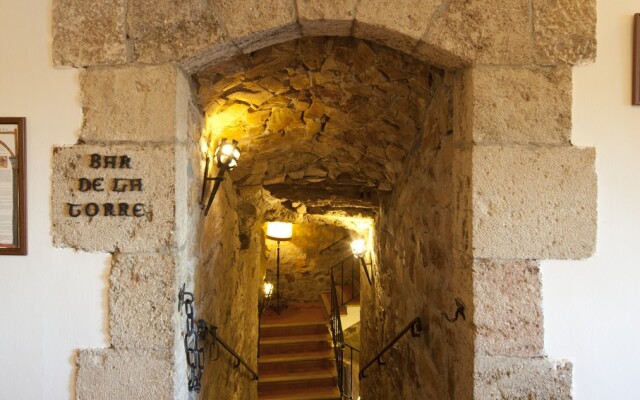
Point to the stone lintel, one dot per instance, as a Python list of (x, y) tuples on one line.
[(321, 17), (254, 25), (165, 30), (533, 202), (394, 23), (494, 32)]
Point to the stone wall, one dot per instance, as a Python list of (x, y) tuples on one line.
[(129, 188), (304, 271), (420, 271), (226, 294)]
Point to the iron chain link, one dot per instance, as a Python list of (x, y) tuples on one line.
[(195, 335)]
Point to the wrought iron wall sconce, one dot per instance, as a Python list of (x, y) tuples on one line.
[(459, 311), (227, 155), (280, 232), (359, 249)]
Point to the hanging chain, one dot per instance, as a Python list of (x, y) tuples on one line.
[(195, 340), (194, 335)]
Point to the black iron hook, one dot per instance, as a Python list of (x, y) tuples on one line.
[(416, 328), (459, 311), (182, 296)]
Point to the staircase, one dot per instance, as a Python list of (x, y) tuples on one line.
[(349, 311), (296, 359)]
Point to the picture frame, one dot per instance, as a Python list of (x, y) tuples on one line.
[(636, 60), (13, 183)]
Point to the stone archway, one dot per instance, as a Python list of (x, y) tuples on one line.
[(522, 192)]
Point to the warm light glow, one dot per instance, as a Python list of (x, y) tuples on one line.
[(359, 248), (228, 154), (279, 230), (268, 289), (204, 146)]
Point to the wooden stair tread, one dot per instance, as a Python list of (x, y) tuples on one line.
[(292, 324), (296, 314), (306, 356), (327, 373), (323, 337), (328, 393)]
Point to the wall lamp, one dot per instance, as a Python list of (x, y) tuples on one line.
[(227, 155), (266, 301), (279, 231), (359, 249)]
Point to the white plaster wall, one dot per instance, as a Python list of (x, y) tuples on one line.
[(52, 301), (592, 307)]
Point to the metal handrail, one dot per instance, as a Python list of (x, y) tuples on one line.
[(347, 392), (333, 244), (213, 330), (351, 347), (414, 326), (354, 279), (337, 334)]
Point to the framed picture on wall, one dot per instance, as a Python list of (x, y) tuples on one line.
[(13, 201), (636, 60)]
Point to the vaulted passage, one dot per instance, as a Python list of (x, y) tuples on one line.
[(345, 139)]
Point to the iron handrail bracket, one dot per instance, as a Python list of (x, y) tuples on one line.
[(239, 359), (351, 347), (415, 327)]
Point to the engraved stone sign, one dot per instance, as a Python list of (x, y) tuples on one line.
[(108, 198)]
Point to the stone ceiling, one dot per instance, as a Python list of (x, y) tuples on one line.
[(318, 119)]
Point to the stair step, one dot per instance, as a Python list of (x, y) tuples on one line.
[(296, 314), (329, 393), (321, 337), (292, 367), (294, 348), (295, 357), (325, 373), (273, 330), (292, 381)]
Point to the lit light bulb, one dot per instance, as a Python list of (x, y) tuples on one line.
[(358, 247), (268, 289), (228, 154), (279, 230)]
